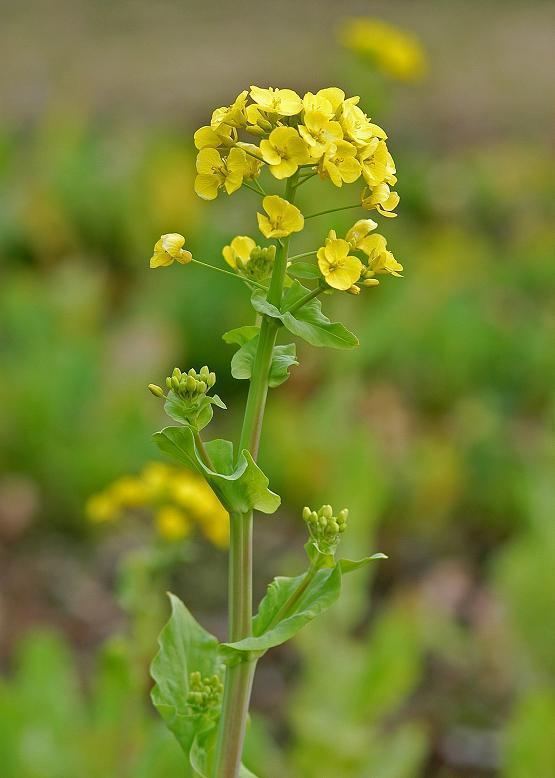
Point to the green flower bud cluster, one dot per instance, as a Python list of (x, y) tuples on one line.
[(259, 265), (191, 385), (325, 528), (205, 694)]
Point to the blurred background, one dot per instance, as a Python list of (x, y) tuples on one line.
[(440, 661)]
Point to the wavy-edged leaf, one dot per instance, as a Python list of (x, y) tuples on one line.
[(308, 322), (184, 647), (243, 489), (291, 603), (283, 357), (178, 409)]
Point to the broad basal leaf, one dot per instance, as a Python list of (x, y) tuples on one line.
[(308, 322), (240, 489), (185, 647)]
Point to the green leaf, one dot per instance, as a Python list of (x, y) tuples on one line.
[(308, 322), (304, 270), (185, 647), (178, 409), (305, 597), (241, 335), (240, 490), (283, 357)]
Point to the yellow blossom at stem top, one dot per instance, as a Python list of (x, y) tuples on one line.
[(340, 163), (339, 269), (169, 249), (285, 102), (282, 218), (380, 260), (284, 151), (239, 248), (213, 137), (359, 231), (382, 199), (319, 132), (215, 172), (232, 115)]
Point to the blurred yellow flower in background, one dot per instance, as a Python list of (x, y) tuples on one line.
[(178, 499), (393, 51)]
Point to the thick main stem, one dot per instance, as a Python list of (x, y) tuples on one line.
[(239, 677)]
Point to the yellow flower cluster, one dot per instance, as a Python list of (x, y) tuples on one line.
[(180, 500), (342, 270), (393, 51), (326, 132)]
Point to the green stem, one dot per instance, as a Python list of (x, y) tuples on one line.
[(332, 210), (253, 189), (304, 300), (228, 273), (239, 677), (204, 455)]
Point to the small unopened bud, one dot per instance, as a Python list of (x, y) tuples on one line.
[(191, 383), (169, 382), (192, 372), (204, 372), (253, 129), (343, 515), (370, 282), (176, 372), (354, 289), (307, 514), (327, 511), (175, 383), (211, 379), (201, 387), (157, 391)]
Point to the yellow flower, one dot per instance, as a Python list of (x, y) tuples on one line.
[(212, 137), (318, 103), (283, 218), (340, 164), (319, 132), (333, 95), (359, 231), (393, 51), (382, 199), (239, 248), (284, 151), (377, 163), (340, 270), (215, 172), (284, 102), (101, 507), (129, 492), (380, 260), (169, 249), (172, 524), (233, 115), (357, 127)]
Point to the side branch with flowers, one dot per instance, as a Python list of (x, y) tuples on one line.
[(202, 687)]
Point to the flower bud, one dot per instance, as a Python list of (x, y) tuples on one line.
[(253, 129), (201, 387), (169, 382), (204, 372), (192, 372), (176, 372), (327, 511), (191, 383), (307, 513), (175, 383), (211, 379), (157, 391)]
